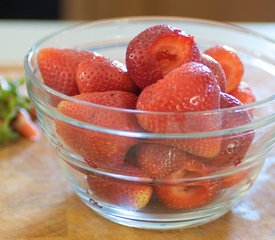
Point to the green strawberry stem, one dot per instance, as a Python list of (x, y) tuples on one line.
[(12, 99)]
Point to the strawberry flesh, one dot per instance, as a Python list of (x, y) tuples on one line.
[(156, 51)]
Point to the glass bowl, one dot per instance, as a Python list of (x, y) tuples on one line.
[(104, 163)]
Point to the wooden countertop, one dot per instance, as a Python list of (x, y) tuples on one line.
[(37, 203)]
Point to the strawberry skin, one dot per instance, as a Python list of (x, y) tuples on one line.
[(216, 68), (58, 68), (122, 193), (231, 64), (156, 51), (234, 146), (25, 126), (97, 148), (244, 93), (157, 161), (234, 179), (189, 88), (99, 74), (177, 193)]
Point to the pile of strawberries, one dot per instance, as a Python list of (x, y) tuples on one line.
[(165, 72)]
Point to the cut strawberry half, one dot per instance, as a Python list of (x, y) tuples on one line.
[(156, 51), (178, 193)]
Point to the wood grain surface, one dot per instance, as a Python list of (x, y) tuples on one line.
[(36, 202)]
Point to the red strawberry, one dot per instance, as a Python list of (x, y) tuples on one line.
[(234, 179), (122, 193), (189, 88), (178, 193), (216, 68), (244, 93), (24, 125), (234, 146), (99, 74), (58, 68), (96, 147), (159, 160), (231, 64), (156, 51)]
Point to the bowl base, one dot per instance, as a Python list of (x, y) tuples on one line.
[(161, 224)]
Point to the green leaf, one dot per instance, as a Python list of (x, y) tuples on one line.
[(11, 100)]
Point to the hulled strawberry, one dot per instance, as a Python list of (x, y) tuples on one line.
[(234, 146), (99, 74), (216, 68), (183, 92), (159, 160), (123, 193), (234, 179), (58, 68), (231, 64), (96, 146), (244, 93), (156, 51), (178, 190)]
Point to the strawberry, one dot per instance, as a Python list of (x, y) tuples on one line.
[(15, 120), (157, 161), (244, 93), (234, 146), (189, 88), (177, 193), (231, 64), (216, 68), (99, 74), (96, 147), (122, 193), (233, 179), (58, 68), (24, 125), (156, 51)]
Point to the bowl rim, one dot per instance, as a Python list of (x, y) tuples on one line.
[(234, 27)]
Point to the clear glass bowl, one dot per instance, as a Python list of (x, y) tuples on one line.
[(117, 192)]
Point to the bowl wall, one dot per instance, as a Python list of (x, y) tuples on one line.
[(92, 153)]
